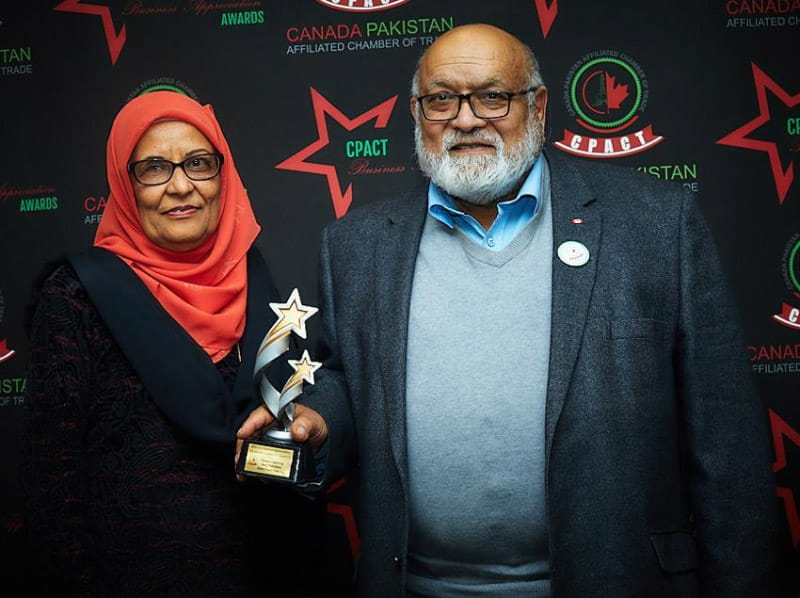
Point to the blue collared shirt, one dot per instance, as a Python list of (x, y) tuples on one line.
[(512, 215)]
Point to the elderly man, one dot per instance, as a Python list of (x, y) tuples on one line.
[(532, 366)]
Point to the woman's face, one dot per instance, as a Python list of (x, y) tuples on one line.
[(180, 214)]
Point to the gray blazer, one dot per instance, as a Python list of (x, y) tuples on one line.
[(658, 474)]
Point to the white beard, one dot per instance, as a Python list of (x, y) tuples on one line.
[(480, 179)]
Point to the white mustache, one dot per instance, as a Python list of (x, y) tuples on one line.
[(453, 139)]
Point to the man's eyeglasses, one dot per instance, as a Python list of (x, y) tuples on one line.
[(157, 171), (486, 104)]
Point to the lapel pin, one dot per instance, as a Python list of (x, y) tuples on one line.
[(576, 220), (573, 253)]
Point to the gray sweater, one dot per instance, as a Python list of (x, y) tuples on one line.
[(478, 348)]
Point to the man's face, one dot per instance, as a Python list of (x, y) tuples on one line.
[(478, 160)]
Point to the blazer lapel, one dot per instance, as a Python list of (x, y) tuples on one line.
[(397, 256), (575, 218)]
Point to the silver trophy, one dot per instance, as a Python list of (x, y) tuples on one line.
[(272, 454)]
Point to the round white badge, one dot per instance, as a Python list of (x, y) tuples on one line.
[(573, 253)]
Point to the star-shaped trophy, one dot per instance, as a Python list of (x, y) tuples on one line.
[(273, 454)]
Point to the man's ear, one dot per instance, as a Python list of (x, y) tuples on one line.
[(412, 107), (540, 101)]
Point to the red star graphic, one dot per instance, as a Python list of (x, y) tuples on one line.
[(115, 41), (547, 14), (781, 431), (738, 138), (341, 199), (345, 511), (5, 352)]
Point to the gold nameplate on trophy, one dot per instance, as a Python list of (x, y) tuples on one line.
[(270, 461)]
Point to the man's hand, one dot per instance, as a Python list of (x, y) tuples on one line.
[(308, 426)]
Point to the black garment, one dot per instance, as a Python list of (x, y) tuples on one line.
[(120, 501)]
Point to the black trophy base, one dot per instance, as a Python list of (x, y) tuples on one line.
[(273, 455)]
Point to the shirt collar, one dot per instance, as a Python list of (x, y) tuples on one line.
[(442, 206)]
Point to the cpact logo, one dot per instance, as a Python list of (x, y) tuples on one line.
[(606, 93), (324, 110), (362, 5), (790, 314), (776, 129)]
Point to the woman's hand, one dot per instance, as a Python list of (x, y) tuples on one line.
[(259, 418)]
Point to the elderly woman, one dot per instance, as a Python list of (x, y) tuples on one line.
[(140, 374)]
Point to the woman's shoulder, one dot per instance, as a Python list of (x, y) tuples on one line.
[(59, 277), (57, 284)]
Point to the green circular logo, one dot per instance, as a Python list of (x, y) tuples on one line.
[(163, 87), (606, 92), (793, 264)]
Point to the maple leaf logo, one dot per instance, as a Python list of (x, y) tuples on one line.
[(615, 94)]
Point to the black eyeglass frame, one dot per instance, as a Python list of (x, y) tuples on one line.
[(467, 96), (174, 165)]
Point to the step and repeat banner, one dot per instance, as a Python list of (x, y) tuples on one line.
[(312, 95)]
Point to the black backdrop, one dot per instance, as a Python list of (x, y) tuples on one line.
[(712, 90)]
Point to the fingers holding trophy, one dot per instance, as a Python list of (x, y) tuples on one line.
[(273, 454)]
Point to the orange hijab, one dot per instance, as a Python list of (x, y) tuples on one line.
[(205, 289)]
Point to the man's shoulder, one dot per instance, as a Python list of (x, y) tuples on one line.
[(621, 191), (375, 213), (611, 177)]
